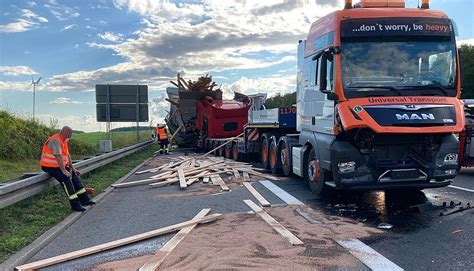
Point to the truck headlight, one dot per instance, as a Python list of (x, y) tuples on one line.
[(346, 167), (451, 159)]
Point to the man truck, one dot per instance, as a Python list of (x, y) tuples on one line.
[(378, 103)]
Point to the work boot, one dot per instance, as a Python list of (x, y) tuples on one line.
[(161, 151), (166, 152), (76, 205), (84, 198)]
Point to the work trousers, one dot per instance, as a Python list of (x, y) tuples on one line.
[(164, 143), (73, 185)]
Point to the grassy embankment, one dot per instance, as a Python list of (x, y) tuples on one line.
[(21, 142), (21, 223)]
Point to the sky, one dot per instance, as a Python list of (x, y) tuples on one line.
[(247, 46)]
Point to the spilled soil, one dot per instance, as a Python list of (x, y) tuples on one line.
[(245, 241)]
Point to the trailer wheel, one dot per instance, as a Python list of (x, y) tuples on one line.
[(314, 175), (284, 157), (227, 151), (235, 152), (273, 159), (214, 145), (220, 151), (264, 151)]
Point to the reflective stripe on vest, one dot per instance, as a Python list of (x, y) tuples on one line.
[(47, 156), (162, 133)]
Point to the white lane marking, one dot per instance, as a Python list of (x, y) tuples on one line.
[(371, 258), (461, 188), (361, 251), (282, 194)]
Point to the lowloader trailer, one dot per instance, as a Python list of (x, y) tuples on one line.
[(378, 88)]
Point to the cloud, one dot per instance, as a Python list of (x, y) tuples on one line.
[(64, 100), (16, 70), (69, 26), (195, 39), (61, 13), (270, 85), (466, 42), (28, 20), (109, 36)]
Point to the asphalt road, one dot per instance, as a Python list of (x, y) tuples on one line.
[(420, 239)]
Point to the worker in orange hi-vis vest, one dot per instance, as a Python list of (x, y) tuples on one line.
[(56, 161), (162, 135)]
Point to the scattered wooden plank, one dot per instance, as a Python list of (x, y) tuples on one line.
[(146, 181), (193, 163), (236, 173), (114, 244), (205, 179), (191, 181), (246, 176), (257, 195), (222, 184), (275, 225), (253, 172), (214, 179), (222, 145), (182, 179), (165, 183)]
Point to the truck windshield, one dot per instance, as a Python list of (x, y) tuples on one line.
[(383, 67)]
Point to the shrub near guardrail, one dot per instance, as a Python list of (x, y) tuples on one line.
[(20, 138)]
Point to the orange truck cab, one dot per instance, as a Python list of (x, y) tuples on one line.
[(378, 106)]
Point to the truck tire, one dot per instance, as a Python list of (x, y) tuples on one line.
[(235, 151), (220, 151), (228, 151), (284, 156), (273, 158), (314, 175), (264, 151)]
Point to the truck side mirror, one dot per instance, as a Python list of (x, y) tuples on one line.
[(461, 68), (323, 82)]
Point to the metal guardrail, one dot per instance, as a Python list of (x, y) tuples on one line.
[(16, 191)]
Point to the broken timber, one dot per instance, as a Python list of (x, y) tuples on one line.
[(114, 244), (275, 225)]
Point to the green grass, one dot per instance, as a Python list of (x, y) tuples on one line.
[(119, 139), (10, 169), (21, 223)]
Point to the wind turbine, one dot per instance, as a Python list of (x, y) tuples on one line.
[(34, 84)]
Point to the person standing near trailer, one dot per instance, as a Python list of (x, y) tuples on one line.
[(162, 135)]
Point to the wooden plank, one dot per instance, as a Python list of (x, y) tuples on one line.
[(214, 179), (193, 163), (175, 132), (222, 184), (165, 183), (182, 179), (275, 225), (205, 179), (153, 263), (236, 173), (114, 244), (222, 145), (246, 176), (191, 181), (146, 181), (257, 195), (253, 172)]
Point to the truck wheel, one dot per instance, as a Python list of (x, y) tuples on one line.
[(273, 156), (227, 151), (235, 152), (264, 151), (285, 158), (314, 175), (220, 151), (214, 145)]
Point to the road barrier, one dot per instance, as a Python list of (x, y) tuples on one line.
[(15, 191)]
